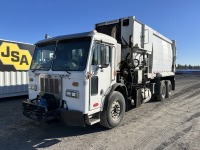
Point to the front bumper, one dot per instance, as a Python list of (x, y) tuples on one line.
[(41, 113)]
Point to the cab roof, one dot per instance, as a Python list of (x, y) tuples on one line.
[(73, 36)]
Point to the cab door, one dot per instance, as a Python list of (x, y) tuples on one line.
[(100, 73)]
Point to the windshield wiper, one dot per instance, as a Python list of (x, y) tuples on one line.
[(68, 72), (62, 69)]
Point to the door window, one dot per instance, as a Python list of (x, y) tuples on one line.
[(98, 54)]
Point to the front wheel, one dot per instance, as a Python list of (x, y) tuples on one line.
[(114, 110)]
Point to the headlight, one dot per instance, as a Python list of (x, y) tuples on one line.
[(71, 93), (33, 87)]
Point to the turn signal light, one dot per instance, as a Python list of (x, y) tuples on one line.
[(75, 83)]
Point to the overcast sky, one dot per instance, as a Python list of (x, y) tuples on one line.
[(29, 20)]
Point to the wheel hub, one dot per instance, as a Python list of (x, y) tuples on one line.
[(115, 110)]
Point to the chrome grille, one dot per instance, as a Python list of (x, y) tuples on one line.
[(56, 82), (46, 85), (42, 84), (49, 85)]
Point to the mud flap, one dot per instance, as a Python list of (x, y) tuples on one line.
[(137, 96), (72, 117)]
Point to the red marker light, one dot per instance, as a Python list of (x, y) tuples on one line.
[(95, 104)]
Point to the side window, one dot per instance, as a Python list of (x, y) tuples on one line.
[(107, 56), (98, 52)]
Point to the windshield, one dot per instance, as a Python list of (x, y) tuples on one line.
[(42, 56), (68, 55), (71, 55)]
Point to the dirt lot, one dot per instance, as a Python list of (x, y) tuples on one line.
[(172, 125)]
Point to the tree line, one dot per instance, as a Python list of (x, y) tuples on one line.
[(179, 66)]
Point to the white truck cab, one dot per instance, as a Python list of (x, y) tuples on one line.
[(74, 73)]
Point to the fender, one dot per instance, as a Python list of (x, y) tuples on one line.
[(115, 87)]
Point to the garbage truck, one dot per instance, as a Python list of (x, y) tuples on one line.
[(15, 60), (94, 77)]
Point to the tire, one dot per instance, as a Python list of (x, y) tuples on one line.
[(168, 88), (114, 110), (162, 91)]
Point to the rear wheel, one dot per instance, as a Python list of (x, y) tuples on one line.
[(114, 110), (168, 88), (162, 92)]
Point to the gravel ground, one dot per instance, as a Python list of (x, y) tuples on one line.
[(171, 125)]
